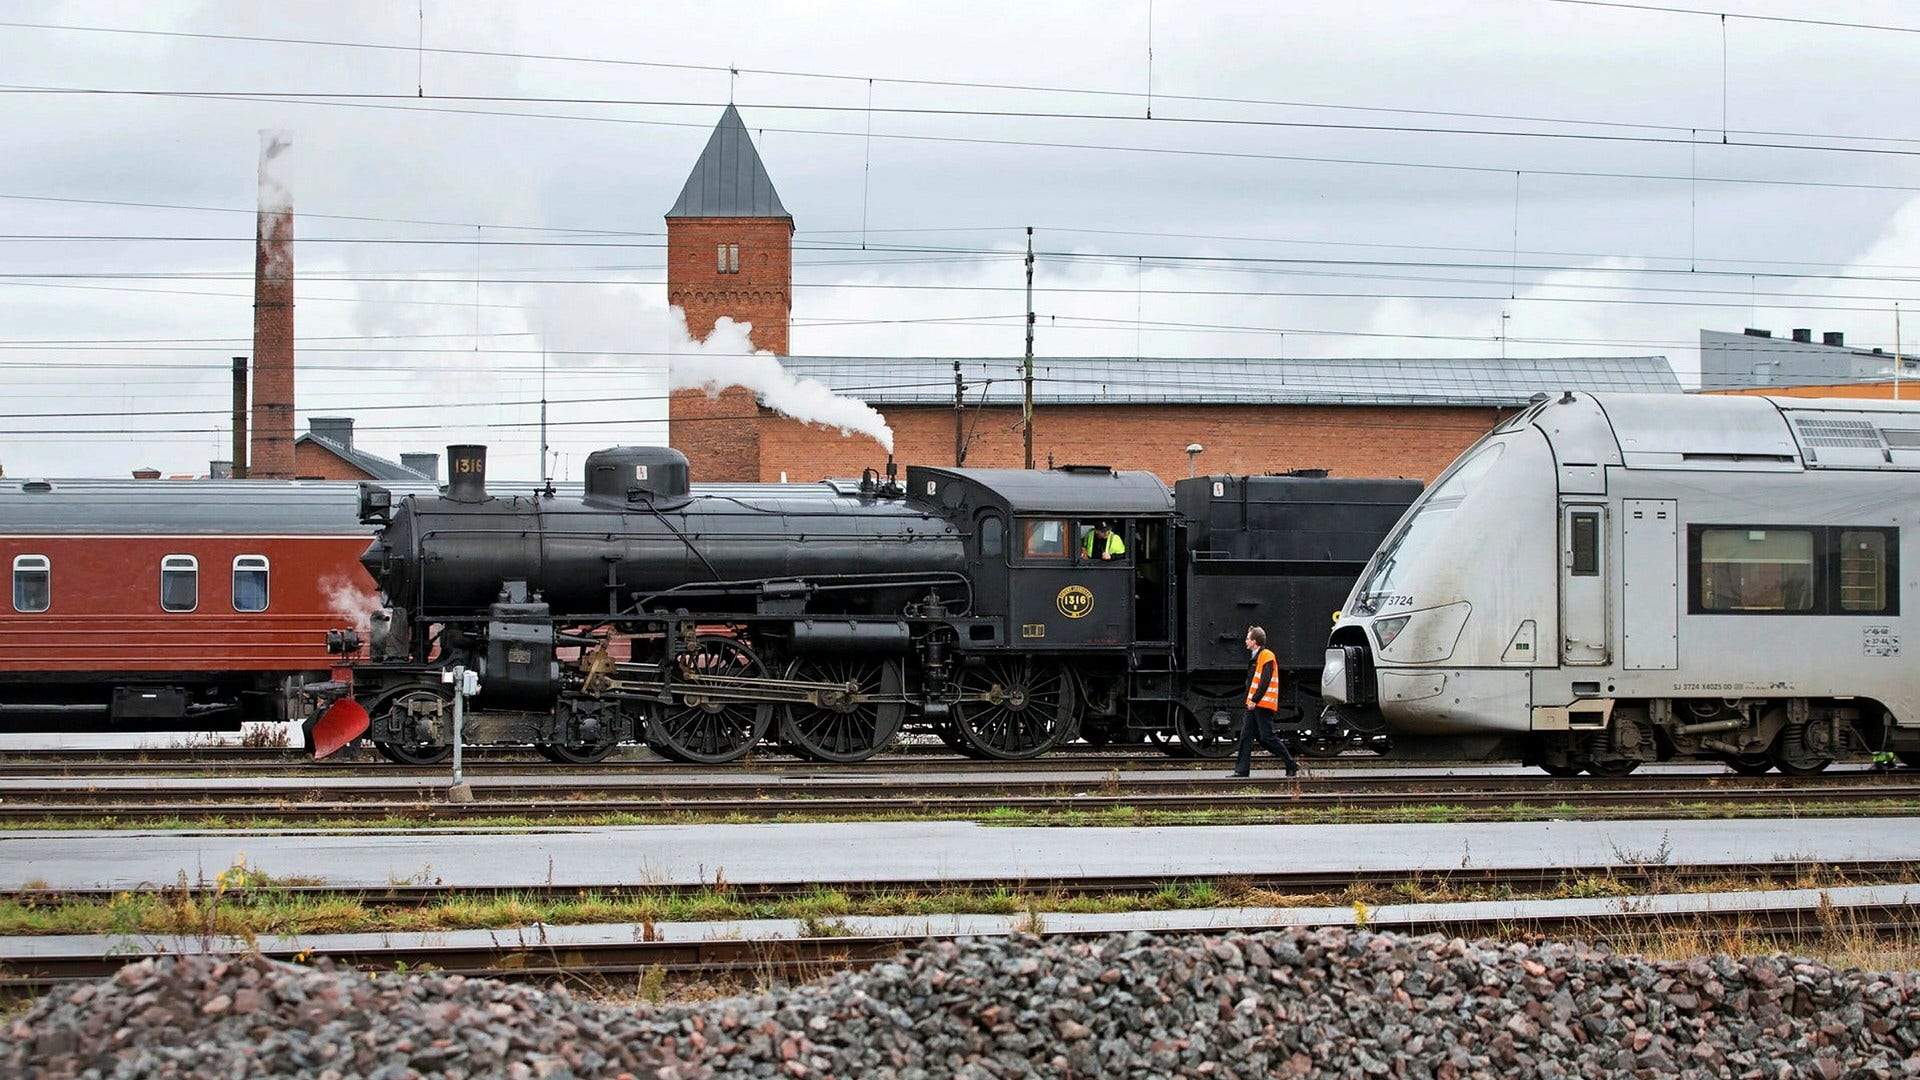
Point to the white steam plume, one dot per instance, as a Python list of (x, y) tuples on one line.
[(691, 366)]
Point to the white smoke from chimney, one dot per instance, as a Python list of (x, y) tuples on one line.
[(691, 366), (276, 203)]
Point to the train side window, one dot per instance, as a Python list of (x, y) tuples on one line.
[(32, 583), (250, 583), (1586, 545), (1863, 565), (1758, 570), (993, 535), (179, 583), (1044, 539)]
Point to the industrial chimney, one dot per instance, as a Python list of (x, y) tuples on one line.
[(272, 451)]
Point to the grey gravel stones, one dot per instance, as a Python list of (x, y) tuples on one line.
[(1328, 1002)]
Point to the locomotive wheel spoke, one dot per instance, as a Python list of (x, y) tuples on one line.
[(843, 728), (1029, 711), (712, 732)]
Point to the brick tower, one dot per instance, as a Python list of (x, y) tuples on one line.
[(729, 253)]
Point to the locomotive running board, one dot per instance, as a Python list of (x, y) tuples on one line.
[(343, 722)]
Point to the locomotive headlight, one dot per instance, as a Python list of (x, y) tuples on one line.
[(1388, 629)]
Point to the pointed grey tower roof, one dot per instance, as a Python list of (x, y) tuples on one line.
[(728, 180)]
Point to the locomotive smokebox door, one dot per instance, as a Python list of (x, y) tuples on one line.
[(520, 665)]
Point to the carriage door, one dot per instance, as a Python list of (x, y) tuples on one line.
[(1583, 592), (1649, 584)]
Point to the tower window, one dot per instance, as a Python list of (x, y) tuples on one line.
[(729, 258)]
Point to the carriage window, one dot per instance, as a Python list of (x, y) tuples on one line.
[(250, 583), (179, 583), (32, 583), (1044, 539), (1586, 545), (993, 535), (1756, 570), (1863, 570)]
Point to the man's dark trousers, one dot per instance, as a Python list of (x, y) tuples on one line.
[(1258, 724)]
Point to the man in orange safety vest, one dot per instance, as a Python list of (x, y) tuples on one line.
[(1263, 705)]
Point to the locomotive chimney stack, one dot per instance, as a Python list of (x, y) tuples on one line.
[(467, 473)]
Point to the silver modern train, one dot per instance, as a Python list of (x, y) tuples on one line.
[(1610, 579)]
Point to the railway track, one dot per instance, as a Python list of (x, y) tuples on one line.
[(788, 951), (802, 795)]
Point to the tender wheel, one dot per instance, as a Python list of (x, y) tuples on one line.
[(1756, 764), (1030, 708), (847, 724), (711, 732), (1795, 753), (578, 754), (1613, 766), (1200, 738), (404, 712), (1564, 772), (1166, 741)]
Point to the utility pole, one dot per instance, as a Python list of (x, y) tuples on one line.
[(1026, 412), (959, 418), (1897, 362)]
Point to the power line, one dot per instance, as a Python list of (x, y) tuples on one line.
[(962, 84)]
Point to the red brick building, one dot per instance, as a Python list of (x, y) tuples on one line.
[(729, 253)]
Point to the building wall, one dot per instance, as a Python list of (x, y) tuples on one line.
[(721, 435), (312, 463), (1879, 391), (1392, 441)]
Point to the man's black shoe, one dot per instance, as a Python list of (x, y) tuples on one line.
[(1293, 770)]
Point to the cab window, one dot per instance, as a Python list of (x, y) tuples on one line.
[(1044, 539), (993, 535), (179, 583), (32, 583), (250, 583)]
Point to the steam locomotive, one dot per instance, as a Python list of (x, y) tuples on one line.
[(827, 618)]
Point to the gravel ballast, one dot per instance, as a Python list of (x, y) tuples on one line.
[(1283, 1003)]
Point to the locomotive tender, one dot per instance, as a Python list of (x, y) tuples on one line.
[(1609, 579), (830, 617)]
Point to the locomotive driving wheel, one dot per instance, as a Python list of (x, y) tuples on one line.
[(711, 730), (1757, 764), (1027, 708), (407, 715), (845, 723)]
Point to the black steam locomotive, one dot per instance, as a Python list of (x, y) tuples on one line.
[(830, 617)]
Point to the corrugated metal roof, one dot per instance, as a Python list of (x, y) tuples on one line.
[(729, 180), (1235, 381)]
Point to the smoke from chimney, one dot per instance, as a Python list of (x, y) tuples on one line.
[(272, 450)]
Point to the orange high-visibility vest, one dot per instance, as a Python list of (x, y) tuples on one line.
[(1271, 699)]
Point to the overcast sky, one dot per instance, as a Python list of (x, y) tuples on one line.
[(479, 185)]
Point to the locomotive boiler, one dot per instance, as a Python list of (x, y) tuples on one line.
[(826, 618)]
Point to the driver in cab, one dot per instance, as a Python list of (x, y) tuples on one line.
[(1102, 543)]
